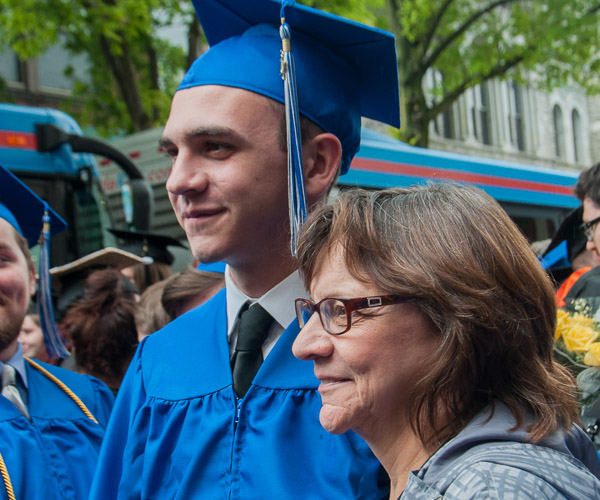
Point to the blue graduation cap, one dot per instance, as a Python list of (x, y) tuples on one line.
[(334, 71), (33, 219)]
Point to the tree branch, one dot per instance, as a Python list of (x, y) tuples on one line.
[(461, 30), (434, 25), (449, 98)]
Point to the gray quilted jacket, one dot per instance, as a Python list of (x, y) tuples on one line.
[(486, 461)]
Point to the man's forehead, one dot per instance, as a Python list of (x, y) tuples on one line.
[(218, 110)]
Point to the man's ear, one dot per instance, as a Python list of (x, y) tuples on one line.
[(321, 159), (32, 278)]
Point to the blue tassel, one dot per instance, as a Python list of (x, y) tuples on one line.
[(296, 192), (52, 337)]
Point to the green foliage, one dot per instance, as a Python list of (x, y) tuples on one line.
[(114, 36), (470, 41), (466, 41)]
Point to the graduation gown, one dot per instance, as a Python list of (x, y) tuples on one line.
[(178, 432), (54, 456)]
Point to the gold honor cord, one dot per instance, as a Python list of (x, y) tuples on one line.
[(3, 471), (65, 389), (6, 478)]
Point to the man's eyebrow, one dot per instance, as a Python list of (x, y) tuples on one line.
[(165, 142)]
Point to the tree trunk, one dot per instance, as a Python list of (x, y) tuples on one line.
[(154, 80), (194, 42), (123, 71), (414, 129)]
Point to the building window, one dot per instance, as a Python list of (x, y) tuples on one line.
[(445, 124), (480, 113), (559, 131), (577, 136), (10, 66), (515, 116)]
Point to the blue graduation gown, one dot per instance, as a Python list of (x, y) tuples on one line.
[(178, 432), (54, 456)]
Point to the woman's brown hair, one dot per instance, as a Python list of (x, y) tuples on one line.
[(472, 273), (101, 327)]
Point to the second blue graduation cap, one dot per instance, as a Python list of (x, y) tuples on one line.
[(33, 219)]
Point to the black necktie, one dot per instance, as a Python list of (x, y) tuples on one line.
[(10, 390), (253, 329)]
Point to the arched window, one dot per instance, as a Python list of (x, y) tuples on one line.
[(480, 113), (559, 131), (577, 136), (515, 115), (445, 124)]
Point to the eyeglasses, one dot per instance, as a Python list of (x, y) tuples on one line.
[(588, 228), (336, 314)]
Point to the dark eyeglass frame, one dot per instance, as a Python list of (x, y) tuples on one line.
[(350, 305), (587, 228)]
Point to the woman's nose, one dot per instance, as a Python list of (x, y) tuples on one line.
[(312, 341)]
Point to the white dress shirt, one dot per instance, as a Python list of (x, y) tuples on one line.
[(278, 302)]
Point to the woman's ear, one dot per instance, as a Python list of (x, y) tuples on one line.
[(321, 159)]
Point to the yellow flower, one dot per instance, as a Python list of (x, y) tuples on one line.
[(592, 357), (562, 322), (578, 337)]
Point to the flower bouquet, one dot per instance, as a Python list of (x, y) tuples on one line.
[(577, 345)]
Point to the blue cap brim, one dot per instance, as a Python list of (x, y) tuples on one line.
[(23, 209)]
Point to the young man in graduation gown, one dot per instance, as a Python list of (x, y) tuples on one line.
[(52, 420), (183, 426)]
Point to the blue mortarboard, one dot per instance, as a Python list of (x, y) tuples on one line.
[(35, 221), (23, 209), (212, 267), (334, 71)]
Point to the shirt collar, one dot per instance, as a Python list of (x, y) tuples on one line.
[(18, 363), (278, 302)]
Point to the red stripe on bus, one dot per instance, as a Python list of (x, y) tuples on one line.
[(454, 175), (18, 140)]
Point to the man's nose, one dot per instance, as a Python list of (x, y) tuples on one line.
[(186, 175)]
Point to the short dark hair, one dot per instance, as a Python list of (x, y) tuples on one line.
[(473, 275), (588, 184), (308, 130)]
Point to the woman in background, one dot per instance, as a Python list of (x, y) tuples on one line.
[(32, 339), (101, 329)]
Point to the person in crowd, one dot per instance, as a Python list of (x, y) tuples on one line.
[(52, 420), (31, 338), (156, 258), (431, 332), (199, 414), (587, 190), (150, 315), (68, 283), (100, 327), (188, 289)]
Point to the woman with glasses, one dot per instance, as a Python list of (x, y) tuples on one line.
[(431, 330)]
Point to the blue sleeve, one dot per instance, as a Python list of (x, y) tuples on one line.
[(103, 402), (121, 437)]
